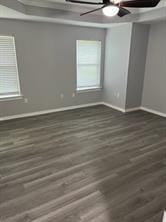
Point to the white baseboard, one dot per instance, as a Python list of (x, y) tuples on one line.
[(135, 109), (82, 106), (48, 111), (132, 109), (164, 217), (121, 109), (153, 111), (114, 107)]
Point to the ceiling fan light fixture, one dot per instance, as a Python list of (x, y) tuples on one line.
[(110, 10)]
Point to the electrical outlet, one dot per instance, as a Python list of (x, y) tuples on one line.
[(25, 100), (117, 94), (73, 95), (62, 95)]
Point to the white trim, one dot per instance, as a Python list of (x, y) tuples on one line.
[(153, 111), (48, 111), (164, 217), (16, 61), (34, 18), (90, 89), (121, 109), (11, 97), (135, 109), (132, 109), (114, 107), (82, 106)]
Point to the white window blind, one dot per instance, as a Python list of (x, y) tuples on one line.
[(9, 81), (88, 64)]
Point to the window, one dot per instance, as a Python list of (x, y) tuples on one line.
[(9, 81), (88, 64)]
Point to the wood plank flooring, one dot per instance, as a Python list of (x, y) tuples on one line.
[(87, 165)]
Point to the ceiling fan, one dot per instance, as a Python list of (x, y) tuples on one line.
[(112, 8)]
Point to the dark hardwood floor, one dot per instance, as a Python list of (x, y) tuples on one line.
[(87, 165)]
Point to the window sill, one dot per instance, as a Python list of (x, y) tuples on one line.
[(89, 89), (10, 97)]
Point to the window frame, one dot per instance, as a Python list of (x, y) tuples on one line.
[(16, 95), (90, 88)]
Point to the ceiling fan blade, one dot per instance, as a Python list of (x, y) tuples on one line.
[(105, 2), (94, 10), (139, 3), (122, 12), (83, 2)]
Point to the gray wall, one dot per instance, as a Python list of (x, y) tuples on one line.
[(46, 59), (139, 41), (125, 57), (117, 53), (154, 92), (47, 65)]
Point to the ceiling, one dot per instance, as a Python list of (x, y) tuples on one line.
[(62, 4), (61, 11)]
